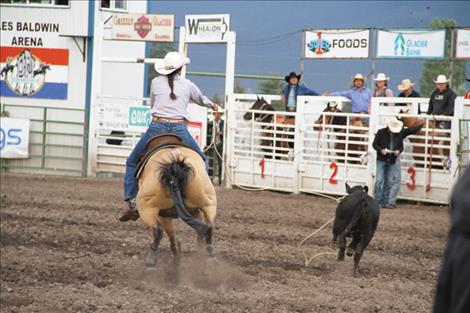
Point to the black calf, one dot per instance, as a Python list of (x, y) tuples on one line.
[(357, 216)]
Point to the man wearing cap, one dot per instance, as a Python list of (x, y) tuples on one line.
[(359, 95), (442, 100), (388, 143), (407, 91), (170, 95), (381, 86), (293, 89)]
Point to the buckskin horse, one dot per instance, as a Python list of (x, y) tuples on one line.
[(343, 134), (277, 133), (173, 183)]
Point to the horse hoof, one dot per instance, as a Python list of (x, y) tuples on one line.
[(151, 259), (349, 252)]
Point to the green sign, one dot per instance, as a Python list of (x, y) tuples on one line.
[(139, 116)]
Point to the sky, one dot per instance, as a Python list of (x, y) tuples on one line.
[(269, 37)]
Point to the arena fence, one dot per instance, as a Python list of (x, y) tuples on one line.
[(57, 140), (322, 150)]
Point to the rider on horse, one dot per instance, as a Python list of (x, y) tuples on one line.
[(169, 98)]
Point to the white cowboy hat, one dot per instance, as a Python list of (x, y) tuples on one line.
[(405, 84), (172, 61), (394, 124), (441, 79), (359, 76), (381, 77)]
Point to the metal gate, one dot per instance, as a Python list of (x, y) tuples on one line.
[(260, 145), (316, 154), (334, 146), (56, 140)]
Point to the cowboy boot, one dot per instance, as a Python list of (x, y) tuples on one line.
[(132, 213)]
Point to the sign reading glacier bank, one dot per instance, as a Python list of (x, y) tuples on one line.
[(411, 44), (345, 43), (207, 28)]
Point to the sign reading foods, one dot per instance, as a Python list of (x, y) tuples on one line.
[(336, 44), (143, 27)]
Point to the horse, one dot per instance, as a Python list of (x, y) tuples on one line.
[(268, 118), (419, 151), (41, 70), (343, 134), (173, 183)]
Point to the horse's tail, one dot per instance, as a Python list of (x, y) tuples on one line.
[(174, 175)]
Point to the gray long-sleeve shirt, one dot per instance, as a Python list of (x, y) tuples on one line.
[(185, 91)]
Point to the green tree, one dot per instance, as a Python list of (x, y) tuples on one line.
[(270, 87), (238, 88), (158, 50), (217, 98), (433, 68)]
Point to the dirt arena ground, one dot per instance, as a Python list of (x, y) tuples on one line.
[(63, 250)]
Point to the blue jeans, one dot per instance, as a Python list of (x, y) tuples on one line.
[(387, 182), (131, 186)]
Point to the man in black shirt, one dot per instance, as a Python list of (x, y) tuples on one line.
[(453, 287), (442, 100), (388, 143)]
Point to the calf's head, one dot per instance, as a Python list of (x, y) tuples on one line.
[(350, 189)]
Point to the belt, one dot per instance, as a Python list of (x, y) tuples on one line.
[(168, 120)]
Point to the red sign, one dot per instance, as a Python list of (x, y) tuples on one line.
[(142, 26)]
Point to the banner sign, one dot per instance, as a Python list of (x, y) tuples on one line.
[(34, 72), (411, 44), (462, 44), (336, 44), (137, 119), (143, 27), (207, 28), (14, 138)]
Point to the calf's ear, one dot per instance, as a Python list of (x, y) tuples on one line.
[(366, 189), (348, 189)]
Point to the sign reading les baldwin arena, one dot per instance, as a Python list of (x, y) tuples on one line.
[(143, 27), (344, 44), (31, 63)]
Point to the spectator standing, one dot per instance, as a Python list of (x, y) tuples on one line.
[(359, 95), (381, 86), (293, 89), (407, 91), (442, 100), (388, 143)]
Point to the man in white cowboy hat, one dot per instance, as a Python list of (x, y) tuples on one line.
[(442, 99), (359, 95), (381, 86), (293, 89), (170, 95), (388, 143), (407, 91)]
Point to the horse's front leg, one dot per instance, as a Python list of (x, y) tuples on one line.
[(151, 258)]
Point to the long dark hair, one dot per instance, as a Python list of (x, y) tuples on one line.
[(171, 78)]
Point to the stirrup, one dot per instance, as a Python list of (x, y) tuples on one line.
[(132, 214)]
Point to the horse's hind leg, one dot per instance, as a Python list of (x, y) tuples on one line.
[(209, 214), (151, 259), (167, 224)]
